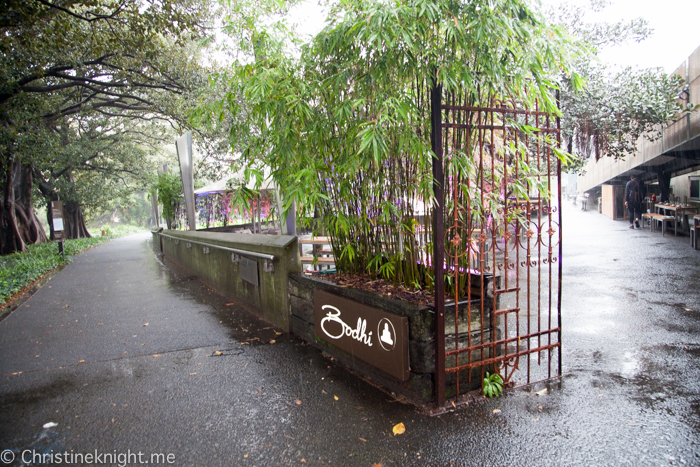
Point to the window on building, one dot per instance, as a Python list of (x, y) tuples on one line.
[(695, 188)]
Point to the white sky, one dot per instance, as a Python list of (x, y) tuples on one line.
[(676, 25)]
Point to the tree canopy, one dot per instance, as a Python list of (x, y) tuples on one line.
[(616, 106), (81, 85)]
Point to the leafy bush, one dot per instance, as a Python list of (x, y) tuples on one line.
[(493, 385)]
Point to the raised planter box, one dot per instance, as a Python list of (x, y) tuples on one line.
[(417, 385)]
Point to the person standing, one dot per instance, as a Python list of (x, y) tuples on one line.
[(634, 194)]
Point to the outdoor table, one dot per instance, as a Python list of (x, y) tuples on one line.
[(681, 212)]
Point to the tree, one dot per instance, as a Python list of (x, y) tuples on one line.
[(614, 108), (100, 161), (169, 189), (85, 59)]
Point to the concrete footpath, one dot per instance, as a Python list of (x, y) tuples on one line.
[(123, 358)]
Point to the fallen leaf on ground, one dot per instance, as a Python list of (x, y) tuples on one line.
[(362, 439), (112, 421), (542, 392), (298, 402), (336, 397), (245, 456), (277, 333), (378, 464), (272, 341), (303, 461), (399, 429), (157, 355), (192, 374), (260, 390), (144, 325), (81, 361), (218, 352), (496, 410)]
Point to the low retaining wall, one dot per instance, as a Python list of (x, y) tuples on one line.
[(257, 284), (418, 388)]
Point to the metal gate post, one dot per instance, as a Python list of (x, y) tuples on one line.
[(438, 239)]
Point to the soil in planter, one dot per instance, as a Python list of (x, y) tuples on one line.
[(381, 287)]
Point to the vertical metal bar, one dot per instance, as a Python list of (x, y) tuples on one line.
[(548, 152), (528, 256), (494, 232), (560, 241), (539, 237), (438, 239), (455, 258)]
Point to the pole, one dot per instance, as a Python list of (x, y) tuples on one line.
[(438, 239)]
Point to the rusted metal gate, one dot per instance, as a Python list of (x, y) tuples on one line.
[(497, 244)]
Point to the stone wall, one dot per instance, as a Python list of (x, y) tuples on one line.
[(219, 269)]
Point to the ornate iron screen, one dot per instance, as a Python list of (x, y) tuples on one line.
[(497, 250)]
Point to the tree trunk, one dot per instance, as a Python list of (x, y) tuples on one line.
[(31, 229), (11, 239), (19, 224), (73, 221)]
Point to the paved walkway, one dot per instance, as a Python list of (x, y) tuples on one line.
[(125, 355)]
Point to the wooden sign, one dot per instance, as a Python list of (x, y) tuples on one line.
[(370, 334), (57, 216)]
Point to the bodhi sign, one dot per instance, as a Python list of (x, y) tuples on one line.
[(370, 334)]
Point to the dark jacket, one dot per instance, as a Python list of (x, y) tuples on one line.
[(634, 193)]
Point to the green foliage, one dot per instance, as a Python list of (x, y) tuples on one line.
[(117, 231), (493, 385), (345, 127), (614, 108), (169, 188), (89, 90), (19, 270)]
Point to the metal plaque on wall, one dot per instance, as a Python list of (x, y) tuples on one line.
[(370, 334), (248, 270)]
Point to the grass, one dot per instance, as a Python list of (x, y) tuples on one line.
[(20, 270)]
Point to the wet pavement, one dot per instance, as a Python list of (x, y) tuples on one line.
[(127, 356)]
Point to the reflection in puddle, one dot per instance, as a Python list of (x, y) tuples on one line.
[(630, 365)]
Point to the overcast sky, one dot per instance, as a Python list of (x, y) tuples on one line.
[(676, 25)]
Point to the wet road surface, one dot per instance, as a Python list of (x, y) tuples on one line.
[(128, 356)]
